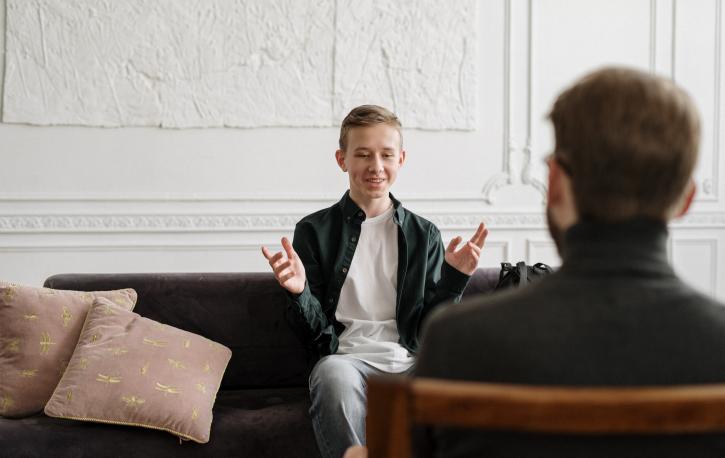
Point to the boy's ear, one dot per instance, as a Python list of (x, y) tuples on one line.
[(402, 157), (340, 159)]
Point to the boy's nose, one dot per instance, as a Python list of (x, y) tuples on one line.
[(376, 165)]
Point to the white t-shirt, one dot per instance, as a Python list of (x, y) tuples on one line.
[(367, 299)]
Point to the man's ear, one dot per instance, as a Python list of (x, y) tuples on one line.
[(689, 196), (340, 159), (554, 191), (560, 196)]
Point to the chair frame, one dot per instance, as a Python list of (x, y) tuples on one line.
[(396, 403)]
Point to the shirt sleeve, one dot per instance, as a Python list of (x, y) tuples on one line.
[(304, 310), (443, 283)]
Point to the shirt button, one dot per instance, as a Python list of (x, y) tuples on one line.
[(353, 238), (331, 300), (344, 270), (347, 219), (359, 214)]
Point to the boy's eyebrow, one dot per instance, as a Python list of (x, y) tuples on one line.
[(364, 148)]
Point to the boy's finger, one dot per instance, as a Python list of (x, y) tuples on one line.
[(282, 280), (281, 267), (288, 248), (454, 243), (483, 238), (475, 248), (479, 235), (275, 259), (266, 252)]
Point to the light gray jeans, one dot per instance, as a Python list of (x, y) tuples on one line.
[(338, 391)]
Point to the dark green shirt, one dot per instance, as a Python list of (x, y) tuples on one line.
[(325, 242)]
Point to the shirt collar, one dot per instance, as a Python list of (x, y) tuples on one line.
[(350, 209)]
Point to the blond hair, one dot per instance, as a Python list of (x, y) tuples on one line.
[(368, 115)]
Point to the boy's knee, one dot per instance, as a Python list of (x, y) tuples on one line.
[(334, 374)]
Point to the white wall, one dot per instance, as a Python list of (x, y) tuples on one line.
[(84, 199)]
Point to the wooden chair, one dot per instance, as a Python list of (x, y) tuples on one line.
[(396, 403)]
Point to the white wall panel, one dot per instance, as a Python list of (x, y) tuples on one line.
[(698, 26), (571, 38), (542, 250), (76, 199), (696, 261)]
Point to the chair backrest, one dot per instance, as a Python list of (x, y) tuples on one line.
[(396, 403)]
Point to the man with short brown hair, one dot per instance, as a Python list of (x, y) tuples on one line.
[(615, 313)]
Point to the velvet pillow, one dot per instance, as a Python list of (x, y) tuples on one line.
[(39, 328), (130, 370)]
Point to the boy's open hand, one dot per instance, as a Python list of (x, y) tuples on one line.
[(465, 260), (289, 271)]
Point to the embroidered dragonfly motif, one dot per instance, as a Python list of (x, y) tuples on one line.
[(5, 403), (132, 401), (145, 368), (30, 317), (83, 363), (28, 373), (201, 387), (153, 342), (108, 310), (45, 343), (13, 345), (176, 364), (167, 389), (8, 293), (118, 351), (108, 379), (67, 316)]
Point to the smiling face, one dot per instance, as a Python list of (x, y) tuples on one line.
[(372, 158)]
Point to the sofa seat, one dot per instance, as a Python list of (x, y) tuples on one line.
[(255, 423)]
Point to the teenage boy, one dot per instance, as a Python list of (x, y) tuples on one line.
[(362, 275)]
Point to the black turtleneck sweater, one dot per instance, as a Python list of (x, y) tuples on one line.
[(614, 314)]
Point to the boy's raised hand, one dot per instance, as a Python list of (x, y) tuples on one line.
[(289, 271), (465, 260)]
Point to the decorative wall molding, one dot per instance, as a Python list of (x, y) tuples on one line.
[(85, 247), (230, 222), (510, 174), (274, 222)]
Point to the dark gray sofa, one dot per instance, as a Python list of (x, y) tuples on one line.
[(261, 408)]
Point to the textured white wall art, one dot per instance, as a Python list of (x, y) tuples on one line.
[(244, 63), (171, 63), (413, 56)]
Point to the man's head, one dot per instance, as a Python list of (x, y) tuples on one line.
[(626, 146), (370, 151)]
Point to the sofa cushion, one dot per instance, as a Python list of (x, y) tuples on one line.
[(39, 328), (134, 371), (252, 422), (243, 311)]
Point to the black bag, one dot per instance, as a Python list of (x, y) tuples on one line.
[(521, 275)]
